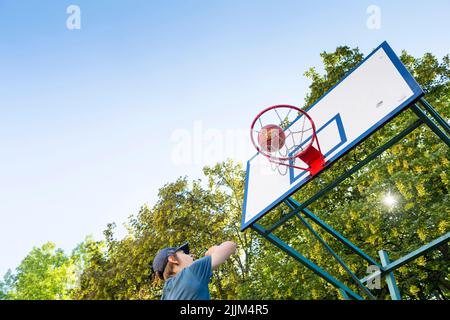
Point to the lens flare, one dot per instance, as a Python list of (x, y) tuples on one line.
[(389, 200)]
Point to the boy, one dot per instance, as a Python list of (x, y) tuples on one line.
[(186, 279)]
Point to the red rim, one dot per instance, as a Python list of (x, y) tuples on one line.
[(314, 136)]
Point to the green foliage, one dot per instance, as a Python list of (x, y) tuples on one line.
[(7, 286), (204, 215), (415, 171), (336, 65), (45, 273)]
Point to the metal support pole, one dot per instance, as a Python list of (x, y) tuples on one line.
[(348, 173), (409, 257), (441, 134), (435, 115), (344, 295), (390, 279), (338, 259), (307, 263), (294, 204)]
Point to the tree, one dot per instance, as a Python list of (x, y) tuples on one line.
[(6, 286), (45, 273), (185, 211)]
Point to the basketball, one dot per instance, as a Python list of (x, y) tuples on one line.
[(271, 138)]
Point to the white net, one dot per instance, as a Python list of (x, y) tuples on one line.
[(298, 132)]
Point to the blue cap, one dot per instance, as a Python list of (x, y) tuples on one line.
[(162, 257)]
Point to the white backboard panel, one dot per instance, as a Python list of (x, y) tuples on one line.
[(373, 93)]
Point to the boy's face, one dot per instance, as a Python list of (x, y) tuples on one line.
[(184, 259)]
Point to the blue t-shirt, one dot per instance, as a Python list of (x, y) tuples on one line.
[(191, 283)]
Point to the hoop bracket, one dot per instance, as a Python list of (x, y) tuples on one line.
[(314, 159)]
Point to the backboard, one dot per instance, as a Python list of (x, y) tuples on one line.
[(374, 92)]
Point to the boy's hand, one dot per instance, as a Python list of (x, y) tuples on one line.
[(211, 250), (220, 253)]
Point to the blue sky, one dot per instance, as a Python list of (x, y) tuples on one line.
[(87, 117)]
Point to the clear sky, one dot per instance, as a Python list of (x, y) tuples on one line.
[(93, 121)]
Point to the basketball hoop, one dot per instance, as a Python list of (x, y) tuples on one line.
[(286, 134)]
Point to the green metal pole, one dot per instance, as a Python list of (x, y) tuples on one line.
[(344, 295), (430, 123), (390, 279), (338, 259), (435, 115), (417, 253), (294, 204), (307, 263), (409, 257)]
